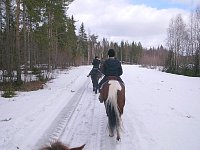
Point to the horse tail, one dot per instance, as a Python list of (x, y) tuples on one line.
[(114, 119)]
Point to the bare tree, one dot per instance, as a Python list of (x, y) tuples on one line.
[(177, 41)]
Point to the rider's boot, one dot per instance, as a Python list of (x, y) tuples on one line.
[(96, 90)]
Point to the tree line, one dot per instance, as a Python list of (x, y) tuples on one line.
[(38, 35)]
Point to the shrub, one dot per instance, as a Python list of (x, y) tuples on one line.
[(36, 71), (8, 93)]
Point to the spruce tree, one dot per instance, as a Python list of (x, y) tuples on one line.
[(82, 43), (72, 39)]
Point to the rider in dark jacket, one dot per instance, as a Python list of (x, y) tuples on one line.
[(95, 73), (96, 62), (111, 67), (95, 69)]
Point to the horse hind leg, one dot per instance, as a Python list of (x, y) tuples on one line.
[(118, 128), (111, 133), (118, 135)]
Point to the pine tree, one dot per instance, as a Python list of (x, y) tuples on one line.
[(72, 39), (82, 44)]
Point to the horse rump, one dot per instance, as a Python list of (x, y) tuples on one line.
[(95, 76), (112, 108)]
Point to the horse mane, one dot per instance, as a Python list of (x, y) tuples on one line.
[(114, 86), (60, 146)]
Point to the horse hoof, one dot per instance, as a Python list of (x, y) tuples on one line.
[(111, 135), (118, 139)]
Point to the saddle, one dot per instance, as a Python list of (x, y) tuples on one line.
[(112, 78)]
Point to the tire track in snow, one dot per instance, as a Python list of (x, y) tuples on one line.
[(56, 129), (98, 125), (87, 124), (80, 125)]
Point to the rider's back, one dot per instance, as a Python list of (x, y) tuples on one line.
[(112, 67), (96, 63)]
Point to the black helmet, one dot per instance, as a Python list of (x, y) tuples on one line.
[(111, 52)]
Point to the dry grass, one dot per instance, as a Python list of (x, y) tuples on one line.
[(32, 86)]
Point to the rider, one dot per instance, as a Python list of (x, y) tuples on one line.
[(94, 73), (96, 62), (111, 67)]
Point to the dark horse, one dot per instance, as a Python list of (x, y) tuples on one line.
[(112, 93), (61, 146), (95, 76)]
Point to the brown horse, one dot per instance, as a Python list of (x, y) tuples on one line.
[(113, 95), (61, 146)]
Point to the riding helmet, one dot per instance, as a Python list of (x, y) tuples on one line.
[(111, 52)]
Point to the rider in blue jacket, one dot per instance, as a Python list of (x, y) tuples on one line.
[(111, 67)]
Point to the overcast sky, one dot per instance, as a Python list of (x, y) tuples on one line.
[(130, 20)]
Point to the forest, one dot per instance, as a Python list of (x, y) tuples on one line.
[(37, 37)]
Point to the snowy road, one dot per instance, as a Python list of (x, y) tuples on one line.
[(161, 113)]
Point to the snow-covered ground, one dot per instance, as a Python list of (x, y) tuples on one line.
[(162, 112)]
